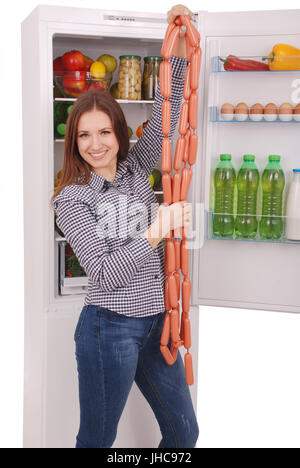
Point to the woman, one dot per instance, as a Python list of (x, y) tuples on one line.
[(108, 213)]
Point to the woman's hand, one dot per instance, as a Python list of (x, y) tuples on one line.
[(169, 218), (179, 10)]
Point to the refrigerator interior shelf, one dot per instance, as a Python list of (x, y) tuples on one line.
[(217, 65), (216, 116), (61, 140), (282, 240), (120, 101)]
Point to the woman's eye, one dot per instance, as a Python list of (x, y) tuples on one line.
[(82, 135), (105, 131)]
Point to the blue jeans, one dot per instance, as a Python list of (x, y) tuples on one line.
[(112, 352)]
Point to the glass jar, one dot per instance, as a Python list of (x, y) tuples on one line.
[(151, 76), (130, 77)]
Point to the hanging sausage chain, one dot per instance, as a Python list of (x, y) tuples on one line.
[(176, 189)]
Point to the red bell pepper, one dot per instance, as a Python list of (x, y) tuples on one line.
[(236, 64)]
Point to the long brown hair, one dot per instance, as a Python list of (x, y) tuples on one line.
[(75, 169)]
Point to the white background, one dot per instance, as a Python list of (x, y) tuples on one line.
[(249, 360)]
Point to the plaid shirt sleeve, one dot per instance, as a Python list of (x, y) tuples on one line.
[(147, 150), (107, 270)]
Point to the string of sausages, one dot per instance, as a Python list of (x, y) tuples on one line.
[(176, 189)]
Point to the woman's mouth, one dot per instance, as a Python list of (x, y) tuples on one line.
[(98, 155)]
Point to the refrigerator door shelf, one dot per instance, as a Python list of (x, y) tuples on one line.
[(217, 65), (120, 101), (215, 116), (283, 240)]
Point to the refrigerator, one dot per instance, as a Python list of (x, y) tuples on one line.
[(250, 274)]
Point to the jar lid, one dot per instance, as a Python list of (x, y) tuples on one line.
[(130, 57), (249, 157), (153, 57), (274, 158), (225, 157)]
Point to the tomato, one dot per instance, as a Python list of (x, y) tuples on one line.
[(74, 61), (96, 85), (145, 124), (74, 83), (58, 67), (88, 63)]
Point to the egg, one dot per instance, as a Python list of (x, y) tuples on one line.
[(270, 112), (227, 111), (285, 112), (241, 112), (296, 114), (256, 112)]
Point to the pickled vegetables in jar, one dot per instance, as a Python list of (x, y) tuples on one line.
[(151, 76), (130, 77)]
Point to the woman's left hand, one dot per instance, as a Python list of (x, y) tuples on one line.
[(179, 10)]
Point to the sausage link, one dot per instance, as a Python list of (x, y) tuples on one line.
[(183, 317), (187, 83), (172, 291), (169, 257), (166, 117), (193, 149), (195, 68), (165, 336), (177, 254), (174, 351), (176, 186), (188, 364), (191, 32), (184, 115), (168, 52), (186, 294), (179, 152), (185, 182), (167, 188), (166, 155), (189, 49), (187, 145), (175, 325), (167, 35), (167, 355), (193, 110), (187, 333), (166, 295), (184, 252), (165, 79), (177, 277)]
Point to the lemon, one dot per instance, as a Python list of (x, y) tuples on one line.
[(109, 61), (98, 70), (151, 180)]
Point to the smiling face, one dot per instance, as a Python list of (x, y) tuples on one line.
[(97, 143)]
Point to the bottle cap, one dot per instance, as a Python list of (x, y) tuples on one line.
[(130, 57), (249, 157), (153, 57), (274, 158), (225, 157), (296, 170)]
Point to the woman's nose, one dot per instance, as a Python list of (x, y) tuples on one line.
[(96, 141)]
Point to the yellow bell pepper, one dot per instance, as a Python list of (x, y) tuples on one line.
[(284, 57)]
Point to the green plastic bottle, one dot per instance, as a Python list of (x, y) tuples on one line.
[(273, 181), (247, 185), (225, 180)]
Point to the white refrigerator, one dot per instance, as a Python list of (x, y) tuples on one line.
[(252, 274)]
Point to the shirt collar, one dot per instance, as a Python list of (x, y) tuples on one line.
[(99, 183)]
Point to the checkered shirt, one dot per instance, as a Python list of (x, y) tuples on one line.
[(104, 221)]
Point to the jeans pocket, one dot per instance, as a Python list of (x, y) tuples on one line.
[(80, 323)]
